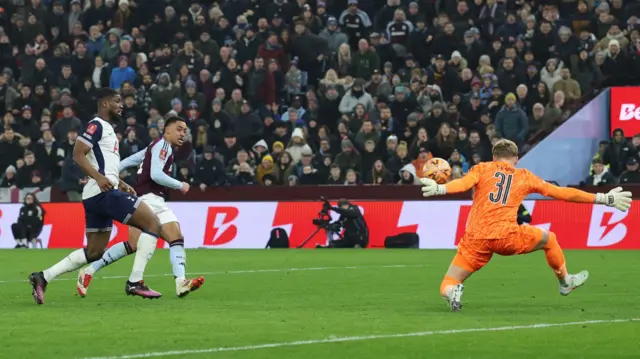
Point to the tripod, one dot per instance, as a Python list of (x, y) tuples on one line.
[(321, 227)]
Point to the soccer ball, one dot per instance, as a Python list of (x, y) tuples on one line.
[(437, 169)]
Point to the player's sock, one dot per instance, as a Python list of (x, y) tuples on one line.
[(112, 254), (447, 284), (178, 258), (146, 246), (73, 261), (555, 258)]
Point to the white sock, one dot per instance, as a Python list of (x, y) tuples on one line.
[(24, 242), (146, 247), (112, 254), (178, 258), (73, 261)]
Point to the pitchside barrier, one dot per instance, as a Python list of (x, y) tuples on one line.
[(439, 223)]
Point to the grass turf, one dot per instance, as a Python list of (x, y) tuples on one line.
[(244, 304)]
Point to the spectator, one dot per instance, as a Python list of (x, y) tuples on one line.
[(297, 145), (10, 177), (73, 179), (568, 86), (210, 171), (265, 168), (335, 38), (617, 153), (30, 222), (512, 122), (379, 174), (601, 175), (356, 95), (348, 158), (632, 174)]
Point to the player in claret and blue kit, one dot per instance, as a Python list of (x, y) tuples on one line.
[(105, 198), (154, 168)]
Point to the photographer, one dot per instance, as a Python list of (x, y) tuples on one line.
[(29, 224), (356, 232)]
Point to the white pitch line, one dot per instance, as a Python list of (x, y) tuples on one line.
[(247, 271), (363, 338)]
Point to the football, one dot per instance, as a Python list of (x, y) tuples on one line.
[(437, 169)]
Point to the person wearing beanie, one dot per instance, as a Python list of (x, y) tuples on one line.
[(348, 158), (334, 36), (356, 95), (511, 122), (192, 95), (164, 93), (265, 167), (276, 150), (10, 177)]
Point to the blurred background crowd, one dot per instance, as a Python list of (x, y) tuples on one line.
[(301, 92)]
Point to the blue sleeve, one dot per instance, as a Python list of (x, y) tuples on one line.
[(159, 155), (341, 18), (133, 161), (92, 134), (366, 21), (410, 25), (112, 78)]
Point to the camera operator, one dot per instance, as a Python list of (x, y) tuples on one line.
[(30, 222), (356, 232)]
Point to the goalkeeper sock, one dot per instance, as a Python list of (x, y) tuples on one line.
[(447, 284), (555, 258), (112, 254)]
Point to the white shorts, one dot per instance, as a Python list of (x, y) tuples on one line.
[(160, 208)]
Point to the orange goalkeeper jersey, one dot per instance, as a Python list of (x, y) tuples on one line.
[(500, 188)]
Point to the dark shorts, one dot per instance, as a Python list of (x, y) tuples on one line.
[(100, 211)]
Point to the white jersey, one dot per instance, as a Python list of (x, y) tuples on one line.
[(104, 155)]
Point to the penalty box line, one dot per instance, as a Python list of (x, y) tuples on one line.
[(247, 271), (363, 338)]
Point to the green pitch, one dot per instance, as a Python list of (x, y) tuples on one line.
[(325, 304)]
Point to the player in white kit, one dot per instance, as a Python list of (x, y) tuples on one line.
[(105, 198), (155, 163)]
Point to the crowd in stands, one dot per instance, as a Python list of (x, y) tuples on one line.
[(616, 162), (299, 92)]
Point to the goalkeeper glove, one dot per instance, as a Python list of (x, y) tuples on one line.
[(431, 188), (617, 198)]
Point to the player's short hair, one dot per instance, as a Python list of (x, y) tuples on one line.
[(172, 119), (505, 149), (106, 92)]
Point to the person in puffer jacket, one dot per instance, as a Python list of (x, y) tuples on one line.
[(297, 144), (333, 35), (356, 95)]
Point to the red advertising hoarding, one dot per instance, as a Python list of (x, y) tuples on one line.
[(625, 110), (438, 223)]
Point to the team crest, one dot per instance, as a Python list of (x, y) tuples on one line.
[(163, 154), (91, 129)]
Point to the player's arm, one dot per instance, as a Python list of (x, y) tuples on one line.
[(431, 188), (615, 198), (159, 155), (133, 161), (83, 145)]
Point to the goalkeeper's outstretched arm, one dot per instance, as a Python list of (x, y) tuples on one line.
[(431, 188), (615, 198)]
